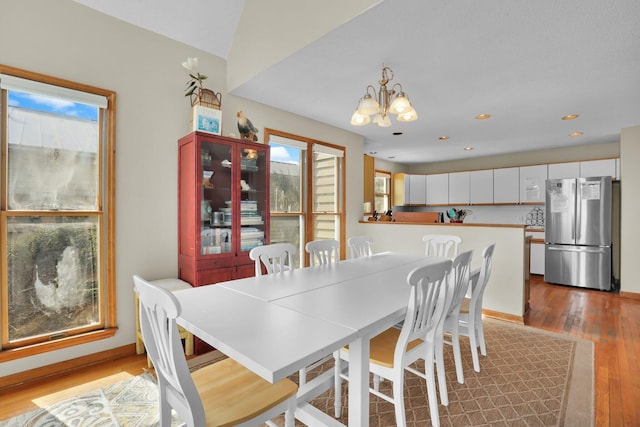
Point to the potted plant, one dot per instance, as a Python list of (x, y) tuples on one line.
[(195, 90)]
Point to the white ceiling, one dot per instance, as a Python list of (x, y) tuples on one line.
[(527, 63)]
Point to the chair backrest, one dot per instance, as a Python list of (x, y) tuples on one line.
[(478, 286), (276, 258), (427, 303), (360, 246), (159, 309), (323, 251), (441, 244), (459, 280)]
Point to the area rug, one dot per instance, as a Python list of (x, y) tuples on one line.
[(529, 377)]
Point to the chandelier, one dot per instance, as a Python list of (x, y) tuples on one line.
[(386, 101)]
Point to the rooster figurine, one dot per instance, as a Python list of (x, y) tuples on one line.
[(246, 128)]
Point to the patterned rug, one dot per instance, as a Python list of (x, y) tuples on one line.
[(529, 378)]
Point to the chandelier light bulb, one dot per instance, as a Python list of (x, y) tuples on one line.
[(400, 104), (382, 121), (368, 106), (408, 116), (359, 120)]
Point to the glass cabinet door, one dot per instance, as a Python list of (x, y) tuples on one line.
[(253, 196), (216, 198)]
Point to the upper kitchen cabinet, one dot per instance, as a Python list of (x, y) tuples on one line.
[(401, 186), (438, 189), (532, 184), (481, 187), (564, 170), (418, 190), (409, 190), (605, 167), (506, 188), (459, 188)]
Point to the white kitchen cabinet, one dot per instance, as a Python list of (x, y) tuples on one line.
[(417, 189), (409, 190), (532, 183), (481, 187), (563, 170), (604, 167), (438, 189), (459, 188), (537, 259), (536, 256), (506, 186)]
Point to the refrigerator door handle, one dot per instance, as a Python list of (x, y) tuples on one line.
[(574, 249), (576, 217)]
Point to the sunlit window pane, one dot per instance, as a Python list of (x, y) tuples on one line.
[(52, 155), (286, 178), (53, 282), (288, 229)]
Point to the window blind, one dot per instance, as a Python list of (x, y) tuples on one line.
[(8, 82)]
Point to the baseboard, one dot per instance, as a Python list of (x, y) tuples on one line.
[(503, 316), (43, 372)]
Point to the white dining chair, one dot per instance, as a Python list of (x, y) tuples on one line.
[(360, 246), (470, 321), (224, 393), (322, 252), (458, 285), (275, 258), (441, 244), (392, 351), (171, 285)]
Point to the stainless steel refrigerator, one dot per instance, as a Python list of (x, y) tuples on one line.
[(578, 232)]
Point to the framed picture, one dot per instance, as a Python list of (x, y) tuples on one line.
[(206, 119)]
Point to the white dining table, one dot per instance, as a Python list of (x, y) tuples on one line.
[(277, 324)]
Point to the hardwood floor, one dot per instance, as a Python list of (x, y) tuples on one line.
[(612, 322)]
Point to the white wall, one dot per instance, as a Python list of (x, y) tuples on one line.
[(505, 290), (67, 40), (630, 206)]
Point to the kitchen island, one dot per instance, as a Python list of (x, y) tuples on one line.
[(506, 295)]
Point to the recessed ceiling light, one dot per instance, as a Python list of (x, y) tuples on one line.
[(570, 117), (576, 134), (373, 152), (483, 116), (397, 133), (391, 157), (443, 138), (468, 148)]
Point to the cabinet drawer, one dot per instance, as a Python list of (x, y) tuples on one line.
[(207, 277)]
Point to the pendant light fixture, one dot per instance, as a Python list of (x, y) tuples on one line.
[(386, 101)]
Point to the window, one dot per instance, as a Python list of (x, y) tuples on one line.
[(307, 191), (382, 191), (56, 213)]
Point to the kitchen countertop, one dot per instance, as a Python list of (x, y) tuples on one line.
[(454, 224)]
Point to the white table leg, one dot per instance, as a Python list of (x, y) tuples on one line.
[(359, 382)]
